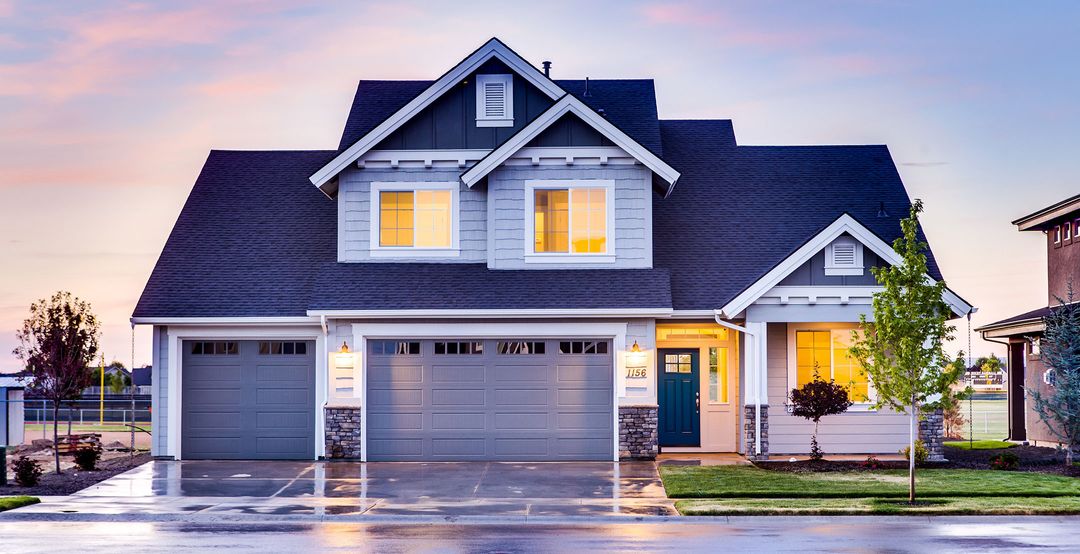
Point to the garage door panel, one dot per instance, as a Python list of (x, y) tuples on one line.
[(490, 406), (247, 405)]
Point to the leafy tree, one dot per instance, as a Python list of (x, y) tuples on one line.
[(117, 382), (902, 350), (1059, 351), (988, 364), (57, 343), (815, 400)]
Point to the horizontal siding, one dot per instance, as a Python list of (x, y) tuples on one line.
[(632, 235), (159, 414), (882, 432)]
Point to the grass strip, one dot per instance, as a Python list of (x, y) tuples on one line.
[(980, 445), (12, 502), (880, 506)]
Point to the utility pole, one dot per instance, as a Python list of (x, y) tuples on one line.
[(101, 394)]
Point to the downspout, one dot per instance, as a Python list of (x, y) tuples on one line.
[(757, 377)]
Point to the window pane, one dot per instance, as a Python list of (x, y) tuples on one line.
[(812, 353), (714, 375), (588, 220), (395, 218), (433, 218), (847, 370), (551, 220)]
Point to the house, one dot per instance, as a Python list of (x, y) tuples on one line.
[(499, 265), (12, 389), (1060, 223)]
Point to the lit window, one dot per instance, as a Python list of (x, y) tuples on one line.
[(415, 218), (718, 375), (691, 333), (826, 354), (570, 221)]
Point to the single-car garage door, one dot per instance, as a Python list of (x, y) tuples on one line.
[(248, 400), (468, 399)]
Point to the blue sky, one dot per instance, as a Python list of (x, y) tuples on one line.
[(109, 109)]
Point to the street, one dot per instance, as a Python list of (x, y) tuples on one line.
[(769, 534)]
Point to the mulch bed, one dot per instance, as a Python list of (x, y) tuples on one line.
[(1036, 459), (73, 480)]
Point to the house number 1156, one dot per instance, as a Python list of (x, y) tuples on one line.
[(635, 373)]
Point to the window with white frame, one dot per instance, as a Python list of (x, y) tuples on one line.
[(494, 100), (1057, 234), (823, 351), (1067, 230), (414, 217), (844, 256), (570, 218)]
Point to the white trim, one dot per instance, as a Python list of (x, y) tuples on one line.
[(507, 118), (570, 104), (832, 267), (562, 156), (282, 320), (177, 334), (843, 224), (792, 363), (531, 256), (616, 332), (492, 49), (500, 313), (379, 251)]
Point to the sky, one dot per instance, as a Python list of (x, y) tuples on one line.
[(108, 109)]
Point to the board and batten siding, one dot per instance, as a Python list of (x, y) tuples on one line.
[(632, 236), (882, 432), (159, 392), (354, 215)]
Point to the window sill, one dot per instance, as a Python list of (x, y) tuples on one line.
[(837, 271), (569, 259), (414, 252), (494, 122)]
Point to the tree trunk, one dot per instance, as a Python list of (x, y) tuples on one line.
[(911, 453), (56, 435)]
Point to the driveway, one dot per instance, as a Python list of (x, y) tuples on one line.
[(373, 489)]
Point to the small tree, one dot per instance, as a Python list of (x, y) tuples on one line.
[(815, 400), (902, 350), (1059, 351), (57, 343)]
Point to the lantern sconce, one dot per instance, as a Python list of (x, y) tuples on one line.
[(635, 357), (343, 358)]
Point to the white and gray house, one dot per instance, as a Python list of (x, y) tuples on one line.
[(499, 265)]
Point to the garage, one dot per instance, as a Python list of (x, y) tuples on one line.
[(490, 399), (248, 400)]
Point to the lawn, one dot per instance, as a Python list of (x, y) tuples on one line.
[(980, 445), (752, 482), (12, 502), (880, 506)]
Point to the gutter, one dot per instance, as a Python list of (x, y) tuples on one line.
[(757, 378)]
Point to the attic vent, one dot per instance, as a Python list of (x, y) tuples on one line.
[(494, 101), (844, 257)]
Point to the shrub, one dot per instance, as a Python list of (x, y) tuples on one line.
[(1005, 461), (86, 458), (27, 471), (921, 453), (871, 463), (815, 400)]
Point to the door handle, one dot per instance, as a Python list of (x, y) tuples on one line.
[(697, 400)]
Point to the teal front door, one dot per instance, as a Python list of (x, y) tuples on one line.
[(679, 397)]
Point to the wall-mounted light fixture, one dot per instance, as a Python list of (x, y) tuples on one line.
[(636, 361), (343, 358)]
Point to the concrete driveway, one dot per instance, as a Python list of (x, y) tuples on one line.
[(386, 489)]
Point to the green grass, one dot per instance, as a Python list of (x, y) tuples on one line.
[(12, 502), (991, 419), (980, 445), (880, 506), (752, 482), (81, 428)]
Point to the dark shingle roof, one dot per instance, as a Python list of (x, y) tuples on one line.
[(421, 286), (630, 104), (738, 211), (1033, 315)]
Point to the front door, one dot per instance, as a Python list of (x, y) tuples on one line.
[(679, 397)]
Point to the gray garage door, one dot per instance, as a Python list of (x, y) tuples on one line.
[(248, 400), (490, 400)]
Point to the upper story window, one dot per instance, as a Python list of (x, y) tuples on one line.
[(410, 219), (494, 100), (1057, 234), (844, 256), (1066, 230), (570, 219)]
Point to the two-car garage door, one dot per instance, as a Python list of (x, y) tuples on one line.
[(475, 399)]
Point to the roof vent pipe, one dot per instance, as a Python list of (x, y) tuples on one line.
[(586, 94), (547, 68), (881, 210)]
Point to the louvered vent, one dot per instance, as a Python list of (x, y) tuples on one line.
[(844, 255), (495, 100)]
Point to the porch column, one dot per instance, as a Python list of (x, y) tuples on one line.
[(756, 410)]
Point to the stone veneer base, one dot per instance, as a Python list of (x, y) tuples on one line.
[(637, 432), (932, 433), (343, 440), (749, 430)]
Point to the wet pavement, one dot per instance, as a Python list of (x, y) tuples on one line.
[(518, 490), (746, 534)]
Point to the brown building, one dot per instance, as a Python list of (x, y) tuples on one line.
[(1060, 224)]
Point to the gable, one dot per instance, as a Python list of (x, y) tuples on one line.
[(813, 273), (570, 131)]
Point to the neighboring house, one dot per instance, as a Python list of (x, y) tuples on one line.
[(1021, 333), (12, 389), (496, 265)]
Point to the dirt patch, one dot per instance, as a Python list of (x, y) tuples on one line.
[(825, 466), (1036, 459), (72, 479)]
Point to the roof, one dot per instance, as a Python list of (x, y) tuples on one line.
[(1039, 219), (781, 196), (1021, 320), (141, 376), (630, 104), (429, 286)]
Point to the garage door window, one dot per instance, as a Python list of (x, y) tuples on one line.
[(394, 348), (282, 348), (583, 347), (220, 348), (521, 347), (452, 348)]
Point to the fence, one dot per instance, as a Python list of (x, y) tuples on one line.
[(985, 418), (83, 416)]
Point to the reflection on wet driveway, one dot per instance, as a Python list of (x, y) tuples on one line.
[(353, 488)]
